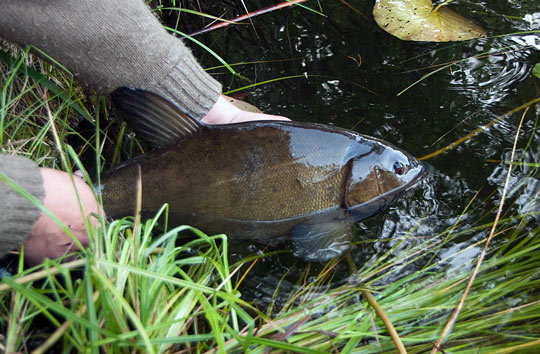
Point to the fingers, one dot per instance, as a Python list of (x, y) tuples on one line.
[(249, 116), (225, 112)]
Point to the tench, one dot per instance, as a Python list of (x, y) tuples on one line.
[(266, 181)]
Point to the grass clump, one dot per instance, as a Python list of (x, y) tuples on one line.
[(117, 300)]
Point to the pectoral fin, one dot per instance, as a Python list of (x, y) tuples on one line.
[(322, 241)]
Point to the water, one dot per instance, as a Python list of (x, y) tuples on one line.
[(351, 72)]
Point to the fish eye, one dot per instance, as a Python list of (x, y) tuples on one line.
[(399, 169)]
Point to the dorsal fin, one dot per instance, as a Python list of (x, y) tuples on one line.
[(155, 119)]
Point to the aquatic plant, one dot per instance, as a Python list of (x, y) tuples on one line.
[(420, 20)]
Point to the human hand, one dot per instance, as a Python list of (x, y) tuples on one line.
[(224, 112), (47, 239)]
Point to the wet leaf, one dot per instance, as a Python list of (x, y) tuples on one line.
[(536, 70), (418, 20)]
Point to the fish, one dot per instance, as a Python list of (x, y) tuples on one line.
[(303, 185)]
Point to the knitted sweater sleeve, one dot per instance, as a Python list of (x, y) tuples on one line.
[(108, 44), (18, 215)]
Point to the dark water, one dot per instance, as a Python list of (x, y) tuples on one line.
[(351, 74)]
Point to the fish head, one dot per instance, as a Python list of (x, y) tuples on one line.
[(380, 175)]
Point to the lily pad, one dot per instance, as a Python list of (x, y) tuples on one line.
[(418, 20)]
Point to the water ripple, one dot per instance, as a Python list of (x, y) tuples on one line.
[(491, 78)]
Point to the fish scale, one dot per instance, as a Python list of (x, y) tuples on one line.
[(276, 188)]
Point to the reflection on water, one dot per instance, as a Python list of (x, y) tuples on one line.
[(351, 72)]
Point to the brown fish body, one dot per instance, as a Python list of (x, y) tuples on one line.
[(262, 180)]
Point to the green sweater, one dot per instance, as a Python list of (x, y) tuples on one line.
[(106, 44)]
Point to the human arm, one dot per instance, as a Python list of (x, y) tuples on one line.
[(110, 44)]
